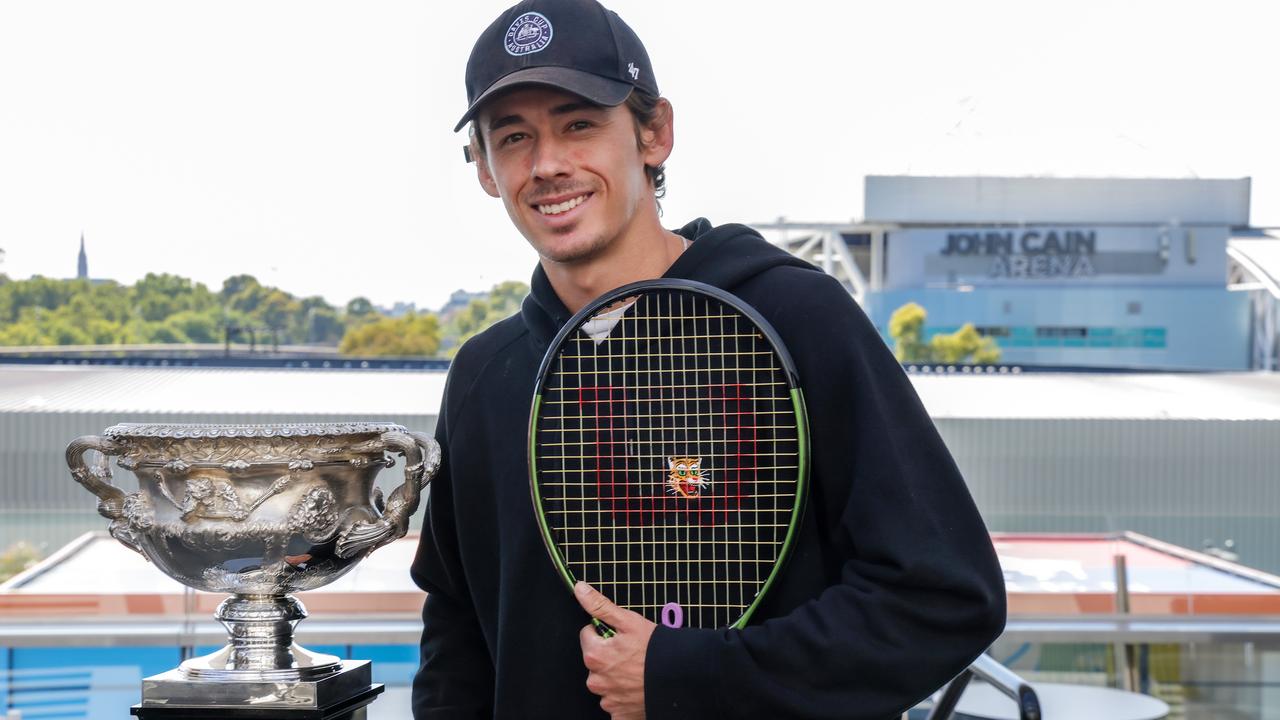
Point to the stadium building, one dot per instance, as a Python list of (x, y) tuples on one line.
[(1075, 272)]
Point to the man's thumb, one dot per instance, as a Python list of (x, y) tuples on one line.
[(596, 604)]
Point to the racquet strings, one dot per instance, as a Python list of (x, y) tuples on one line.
[(667, 458)]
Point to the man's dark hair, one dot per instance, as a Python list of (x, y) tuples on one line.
[(644, 110)]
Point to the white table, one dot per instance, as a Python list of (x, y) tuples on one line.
[(1061, 702)]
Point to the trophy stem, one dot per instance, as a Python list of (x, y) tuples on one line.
[(261, 643)]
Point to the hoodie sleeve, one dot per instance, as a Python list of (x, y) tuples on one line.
[(455, 678), (918, 594)]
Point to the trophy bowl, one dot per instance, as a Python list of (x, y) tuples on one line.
[(256, 511)]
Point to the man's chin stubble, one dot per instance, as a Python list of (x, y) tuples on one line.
[(574, 256)]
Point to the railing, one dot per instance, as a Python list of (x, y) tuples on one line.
[(1266, 306), (1203, 666), (180, 359), (996, 675)]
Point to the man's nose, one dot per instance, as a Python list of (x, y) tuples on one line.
[(550, 158)]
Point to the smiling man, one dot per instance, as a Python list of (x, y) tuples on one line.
[(571, 175), (892, 586)]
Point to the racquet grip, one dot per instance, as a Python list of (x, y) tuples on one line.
[(603, 629)]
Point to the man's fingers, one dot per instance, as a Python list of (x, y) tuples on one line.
[(588, 636)]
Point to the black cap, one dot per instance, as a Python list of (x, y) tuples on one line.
[(575, 45)]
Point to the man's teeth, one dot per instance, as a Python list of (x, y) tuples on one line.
[(565, 206)]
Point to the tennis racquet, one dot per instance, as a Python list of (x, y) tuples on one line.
[(668, 453)]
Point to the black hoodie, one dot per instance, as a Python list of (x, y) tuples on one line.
[(892, 587)]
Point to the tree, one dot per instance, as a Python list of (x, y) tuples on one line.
[(360, 307), (409, 335), (235, 285), (197, 327), (966, 345), (502, 301), (38, 292), (158, 296), (277, 309), (322, 325), (248, 303), (158, 308), (906, 327), (245, 294)]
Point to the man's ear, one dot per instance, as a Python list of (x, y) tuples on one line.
[(476, 154), (658, 137), (484, 176)]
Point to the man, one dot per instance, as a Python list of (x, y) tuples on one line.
[(892, 587)]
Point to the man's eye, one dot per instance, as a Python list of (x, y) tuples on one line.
[(580, 125), (513, 138)]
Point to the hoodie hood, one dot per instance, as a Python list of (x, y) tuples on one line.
[(723, 256)]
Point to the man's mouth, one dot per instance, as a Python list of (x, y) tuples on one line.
[(562, 207)]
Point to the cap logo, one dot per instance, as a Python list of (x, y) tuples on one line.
[(530, 33), (633, 71)]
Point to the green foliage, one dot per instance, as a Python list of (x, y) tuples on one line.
[(156, 297), (360, 307), (965, 345), (196, 327), (502, 302), (40, 311), (906, 327), (321, 324), (409, 335), (159, 308), (162, 308), (20, 556)]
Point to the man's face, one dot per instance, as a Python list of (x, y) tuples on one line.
[(569, 172)]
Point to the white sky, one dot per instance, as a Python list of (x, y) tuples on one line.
[(310, 144)]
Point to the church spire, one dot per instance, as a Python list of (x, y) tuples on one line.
[(82, 268)]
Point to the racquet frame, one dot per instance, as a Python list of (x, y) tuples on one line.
[(796, 396)]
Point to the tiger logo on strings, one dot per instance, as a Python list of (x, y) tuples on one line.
[(686, 478)]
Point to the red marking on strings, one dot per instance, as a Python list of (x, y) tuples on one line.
[(611, 448)]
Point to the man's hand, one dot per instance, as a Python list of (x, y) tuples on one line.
[(615, 665)]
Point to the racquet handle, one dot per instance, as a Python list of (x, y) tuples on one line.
[(603, 629)]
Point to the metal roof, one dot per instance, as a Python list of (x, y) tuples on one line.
[(96, 561), (1091, 201), (1085, 563), (1155, 396), (1260, 254), (379, 393), (207, 391)]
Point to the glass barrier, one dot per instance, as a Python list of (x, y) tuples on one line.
[(101, 683), (1199, 681)]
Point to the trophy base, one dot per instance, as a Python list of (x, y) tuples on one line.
[(220, 667), (342, 695)]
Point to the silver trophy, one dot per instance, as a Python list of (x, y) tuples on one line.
[(257, 511)]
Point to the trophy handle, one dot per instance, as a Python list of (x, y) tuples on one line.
[(421, 461), (97, 478)]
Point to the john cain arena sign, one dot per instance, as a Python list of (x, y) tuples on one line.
[(1028, 253), (1053, 255)]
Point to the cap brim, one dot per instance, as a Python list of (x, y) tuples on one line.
[(600, 90)]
